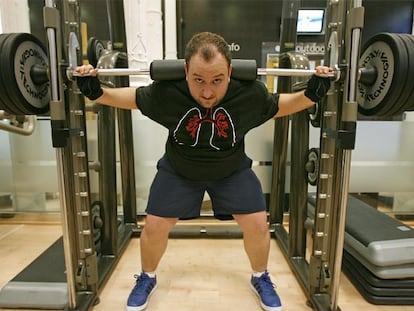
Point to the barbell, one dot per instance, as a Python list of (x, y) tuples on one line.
[(243, 71), (385, 81)]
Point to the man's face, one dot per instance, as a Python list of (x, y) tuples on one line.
[(208, 81)]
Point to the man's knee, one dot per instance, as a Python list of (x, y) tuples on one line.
[(255, 223), (159, 225)]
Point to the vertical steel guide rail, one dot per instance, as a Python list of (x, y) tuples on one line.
[(349, 115), (87, 276), (324, 231), (51, 22)]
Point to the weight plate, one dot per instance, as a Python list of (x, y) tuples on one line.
[(295, 60), (94, 51), (4, 99), (9, 105), (316, 115), (23, 51), (5, 84), (399, 101), (382, 52), (12, 105), (312, 166), (409, 104)]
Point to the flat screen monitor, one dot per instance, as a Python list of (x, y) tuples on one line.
[(310, 21)]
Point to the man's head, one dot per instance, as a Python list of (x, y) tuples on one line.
[(208, 68)]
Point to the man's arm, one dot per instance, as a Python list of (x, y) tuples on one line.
[(292, 103), (123, 98), (316, 89), (88, 83)]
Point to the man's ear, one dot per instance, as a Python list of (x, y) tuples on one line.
[(230, 70), (186, 71)]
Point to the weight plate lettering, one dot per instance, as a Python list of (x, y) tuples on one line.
[(28, 55)]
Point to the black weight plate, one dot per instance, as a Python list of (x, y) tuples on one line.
[(9, 89), (410, 101), (38, 99), (7, 103), (4, 99), (409, 39), (90, 53), (403, 57), (94, 51), (316, 116), (25, 51), (383, 52), (391, 102), (14, 71), (312, 166)]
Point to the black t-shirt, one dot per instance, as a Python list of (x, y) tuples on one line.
[(207, 144)]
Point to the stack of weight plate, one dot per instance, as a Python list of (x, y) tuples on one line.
[(24, 85), (389, 91), (378, 255)]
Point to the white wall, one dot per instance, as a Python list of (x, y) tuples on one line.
[(14, 16), (170, 29), (144, 30)]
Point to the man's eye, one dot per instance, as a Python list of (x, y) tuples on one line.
[(217, 81), (199, 81)]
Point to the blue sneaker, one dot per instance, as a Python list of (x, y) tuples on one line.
[(144, 287), (265, 289)]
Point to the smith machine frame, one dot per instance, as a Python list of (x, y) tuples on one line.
[(319, 273), (88, 264), (86, 268)]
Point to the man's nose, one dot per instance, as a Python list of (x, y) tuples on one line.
[(207, 92)]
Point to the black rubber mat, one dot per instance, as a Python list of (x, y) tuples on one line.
[(375, 299), (48, 267), (390, 292), (353, 263)]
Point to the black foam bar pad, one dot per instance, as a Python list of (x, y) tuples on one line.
[(244, 69), (173, 69), (167, 69)]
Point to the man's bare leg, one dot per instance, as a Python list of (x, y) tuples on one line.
[(154, 240), (256, 238)]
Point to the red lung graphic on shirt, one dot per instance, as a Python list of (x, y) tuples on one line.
[(215, 126)]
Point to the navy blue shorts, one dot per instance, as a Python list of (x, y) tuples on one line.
[(172, 195)]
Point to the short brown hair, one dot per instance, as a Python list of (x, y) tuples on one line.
[(204, 43)]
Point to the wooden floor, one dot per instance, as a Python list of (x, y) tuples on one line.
[(194, 275)]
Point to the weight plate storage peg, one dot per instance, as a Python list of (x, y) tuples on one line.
[(24, 83), (385, 67)]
